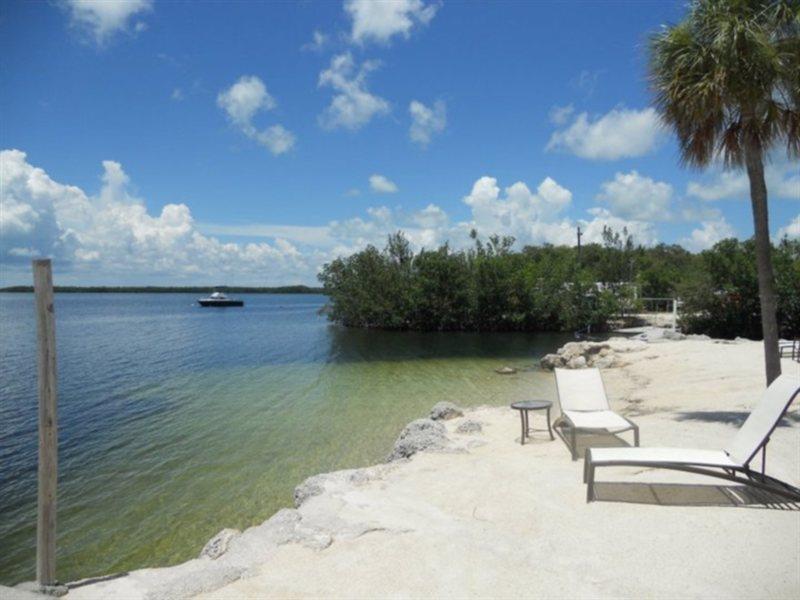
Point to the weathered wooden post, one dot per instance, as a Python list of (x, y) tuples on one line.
[(48, 426)]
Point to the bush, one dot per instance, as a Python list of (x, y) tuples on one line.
[(490, 287)]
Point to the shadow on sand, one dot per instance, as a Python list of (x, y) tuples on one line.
[(685, 494), (676, 494), (731, 417)]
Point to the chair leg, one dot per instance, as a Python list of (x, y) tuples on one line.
[(589, 476), (573, 442), (636, 436)]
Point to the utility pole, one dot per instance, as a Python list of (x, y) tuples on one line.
[(580, 233)]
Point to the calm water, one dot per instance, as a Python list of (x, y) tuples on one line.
[(177, 421)]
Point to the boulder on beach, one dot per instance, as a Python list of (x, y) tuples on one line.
[(419, 435), (601, 355), (443, 411), (469, 426), (218, 545)]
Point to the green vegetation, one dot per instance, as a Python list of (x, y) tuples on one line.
[(491, 287), (721, 293), (68, 289), (726, 80)]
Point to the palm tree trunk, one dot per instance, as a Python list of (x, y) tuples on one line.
[(766, 278)]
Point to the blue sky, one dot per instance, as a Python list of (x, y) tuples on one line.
[(249, 143)]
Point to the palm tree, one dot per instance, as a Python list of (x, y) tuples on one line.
[(727, 81)]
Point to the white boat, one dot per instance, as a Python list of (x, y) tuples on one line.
[(219, 299)]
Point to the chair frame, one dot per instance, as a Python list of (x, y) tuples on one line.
[(742, 474), (562, 419), (572, 443)]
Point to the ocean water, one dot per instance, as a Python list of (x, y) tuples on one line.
[(176, 421)]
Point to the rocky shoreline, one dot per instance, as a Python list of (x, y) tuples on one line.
[(344, 506), (233, 554)]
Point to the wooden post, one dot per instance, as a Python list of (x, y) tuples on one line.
[(48, 425), (674, 314)]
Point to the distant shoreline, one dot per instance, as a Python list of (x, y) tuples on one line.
[(70, 289)]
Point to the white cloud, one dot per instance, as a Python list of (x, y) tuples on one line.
[(380, 21), (792, 230), (709, 233), (559, 115), (277, 139), (519, 208), (177, 94), (532, 218), (635, 196), (642, 232), (381, 184), (425, 121), (101, 19), (782, 178), (246, 98), (111, 236), (619, 133), (352, 105), (318, 41)]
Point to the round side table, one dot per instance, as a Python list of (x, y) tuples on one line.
[(524, 408)]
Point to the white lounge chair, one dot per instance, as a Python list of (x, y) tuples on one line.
[(732, 463), (584, 406)]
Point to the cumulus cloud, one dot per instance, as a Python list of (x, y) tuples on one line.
[(708, 234), (782, 177), (352, 105), (242, 101), (426, 121), (381, 21), (532, 217), (635, 196), (382, 184), (792, 230), (112, 235), (620, 133), (102, 19)]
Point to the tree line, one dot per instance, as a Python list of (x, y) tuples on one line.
[(492, 287)]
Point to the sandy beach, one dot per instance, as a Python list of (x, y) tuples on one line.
[(488, 517)]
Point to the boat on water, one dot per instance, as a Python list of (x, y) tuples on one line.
[(219, 299)]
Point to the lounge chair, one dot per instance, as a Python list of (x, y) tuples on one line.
[(732, 463), (584, 406)]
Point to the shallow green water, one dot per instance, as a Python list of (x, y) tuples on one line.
[(178, 421)]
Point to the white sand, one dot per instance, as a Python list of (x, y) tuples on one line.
[(504, 520)]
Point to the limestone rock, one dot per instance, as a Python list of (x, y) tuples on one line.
[(579, 355), (469, 426), (604, 362), (551, 361), (442, 411), (576, 362), (572, 350), (505, 371), (311, 537), (218, 545), (312, 486), (419, 435)]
